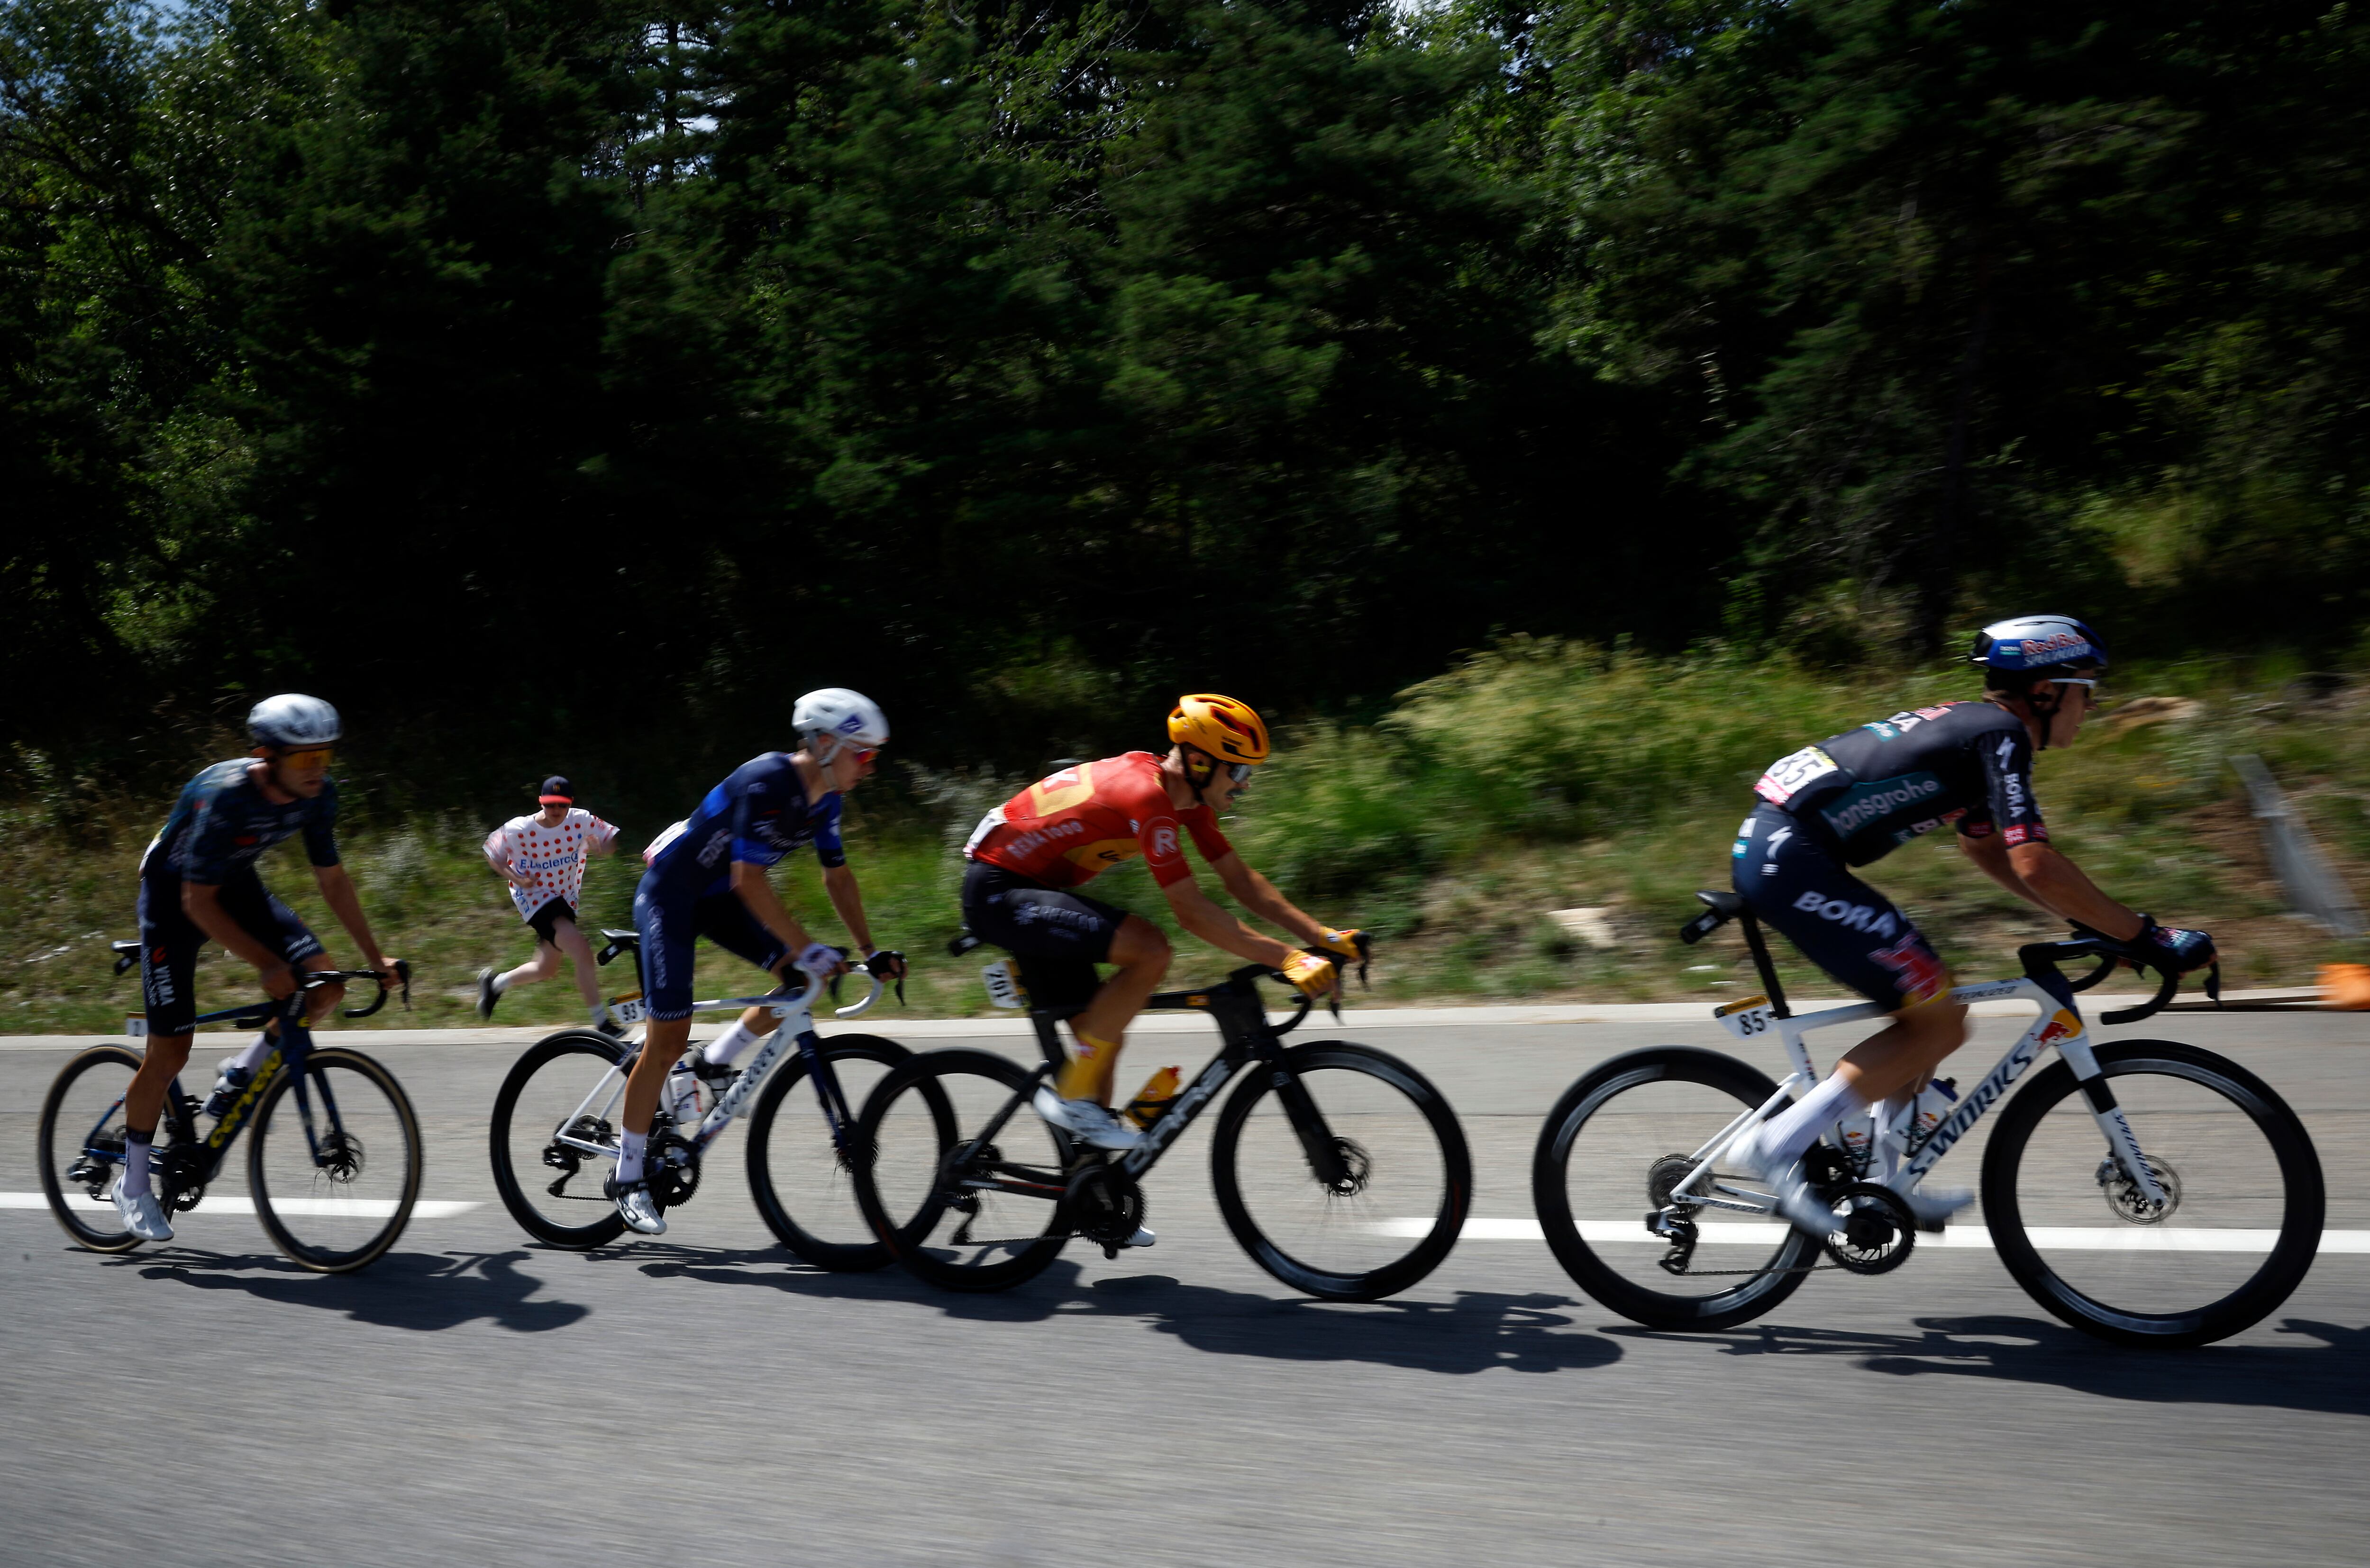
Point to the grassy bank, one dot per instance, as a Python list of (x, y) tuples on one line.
[(1538, 777)]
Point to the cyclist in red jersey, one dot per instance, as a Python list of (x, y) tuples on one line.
[(1029, 855)]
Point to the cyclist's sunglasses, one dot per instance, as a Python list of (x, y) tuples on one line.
[(863, 753), (311, 757), (1240, 772)]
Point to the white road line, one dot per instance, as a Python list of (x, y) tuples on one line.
[(340, 1208), (2087, 1238)]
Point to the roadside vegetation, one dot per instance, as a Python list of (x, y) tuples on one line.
[(1537, 777)]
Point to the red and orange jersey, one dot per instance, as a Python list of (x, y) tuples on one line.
[(1074, 826)]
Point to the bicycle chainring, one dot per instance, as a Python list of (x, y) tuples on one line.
[(672, 1167), (1103, 1203), (2127, 1202), (1875, 1232)]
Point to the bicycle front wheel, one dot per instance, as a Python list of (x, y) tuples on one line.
[(334, 1161), (1613, 1151), (81, 1146), (553, 1138), (1402, 1186), (981, 1210), (801, 1167), (2239, 1234)]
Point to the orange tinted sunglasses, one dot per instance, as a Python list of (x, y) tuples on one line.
[(311, 757)]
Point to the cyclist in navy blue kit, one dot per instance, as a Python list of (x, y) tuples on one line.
[(1854, 798), (707, 877), (198, 883)]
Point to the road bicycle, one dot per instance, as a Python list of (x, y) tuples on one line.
[(332, 1168), (1338, 1168), (554, 1136), (2210, 1188)]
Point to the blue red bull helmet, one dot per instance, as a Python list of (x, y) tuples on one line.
[(2036, 646)]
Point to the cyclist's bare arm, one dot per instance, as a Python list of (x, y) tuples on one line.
[(1197, 914), (503, 869), (337, 892), (839, 881), (1257, 894), (2039, 875), (202, 901), (749, 882)]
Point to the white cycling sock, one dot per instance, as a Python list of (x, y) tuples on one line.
[(135, 1159), (252, 1058), (630, 1156), (730, 1043), (1785, 1136), (600, 1014)]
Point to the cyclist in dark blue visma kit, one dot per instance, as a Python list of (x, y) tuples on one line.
[(1854, 798), (707, 877), (198, 881)]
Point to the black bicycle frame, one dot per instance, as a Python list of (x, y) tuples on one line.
[(1245, 1037)]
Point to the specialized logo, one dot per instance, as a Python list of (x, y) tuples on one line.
[(1863, 804), (1972, 1106), (1859, 917)]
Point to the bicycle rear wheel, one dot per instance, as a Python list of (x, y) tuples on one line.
[(1613, 1149), (1406, 1179), (558, 1098), (801, 1178), (80, 1146), (978, 1212), (334, 1161), (2242, 1229)]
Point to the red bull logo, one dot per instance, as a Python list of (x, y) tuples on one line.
[(2062, 1026), (1924, 977)]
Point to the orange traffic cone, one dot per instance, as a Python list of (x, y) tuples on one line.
[(2346, 986)]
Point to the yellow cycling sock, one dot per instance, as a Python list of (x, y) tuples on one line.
[(1086, 1076)]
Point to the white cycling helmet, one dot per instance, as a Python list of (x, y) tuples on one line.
[(841, 716), (292, 720)]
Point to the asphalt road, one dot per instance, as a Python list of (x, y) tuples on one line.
[(704, 1398)]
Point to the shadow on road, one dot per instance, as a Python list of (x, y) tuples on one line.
[(406, 1291), (1478, 1330), (2332, 1377)]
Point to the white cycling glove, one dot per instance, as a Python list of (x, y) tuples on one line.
[(819, 960)]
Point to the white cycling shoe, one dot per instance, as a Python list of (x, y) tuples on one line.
[(1142, 1236), (1798, 1205), (1934, 1206), (1097, 1125), (640, 1210), (143, 1215)]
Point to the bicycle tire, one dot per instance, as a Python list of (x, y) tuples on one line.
[(910, 1238), (837, 1256), (1550, 1193), (608, 1226), (320, 1259), (96, 1238), (1350, 1210), (2303, 1207)]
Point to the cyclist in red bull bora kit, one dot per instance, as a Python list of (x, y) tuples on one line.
[(1855, 798)]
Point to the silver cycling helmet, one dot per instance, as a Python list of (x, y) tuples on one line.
[(292, 720), (840, 716)]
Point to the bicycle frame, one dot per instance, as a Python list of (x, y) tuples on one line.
[(1245, 1037), (2058, 1027), (796, 1026)]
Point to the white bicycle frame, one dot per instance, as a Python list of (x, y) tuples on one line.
[(2059, 1027), (795, 1016)]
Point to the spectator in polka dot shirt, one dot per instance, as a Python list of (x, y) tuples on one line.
[(541, 857)]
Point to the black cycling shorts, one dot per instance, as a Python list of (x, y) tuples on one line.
[(1798, 886), (543, 918), (1058, 935), (169, 942)]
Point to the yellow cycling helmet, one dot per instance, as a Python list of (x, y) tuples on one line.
[(1222, 726)]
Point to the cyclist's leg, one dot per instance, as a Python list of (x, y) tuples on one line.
[(1856, 934), (568, 939), (1066, 933), (726, 920), (545, 963), (169, 942), (669, 929)]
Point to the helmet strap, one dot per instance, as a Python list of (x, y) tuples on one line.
[(2045, 712)]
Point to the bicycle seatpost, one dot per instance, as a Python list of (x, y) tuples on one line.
[(1761, 962)]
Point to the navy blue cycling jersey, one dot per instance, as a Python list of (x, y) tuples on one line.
[(759, 814), (1867, 792), (222, 823)]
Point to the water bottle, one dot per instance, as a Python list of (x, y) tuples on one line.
[(683, 1093), (1153, 1098), (1926, 1111)]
